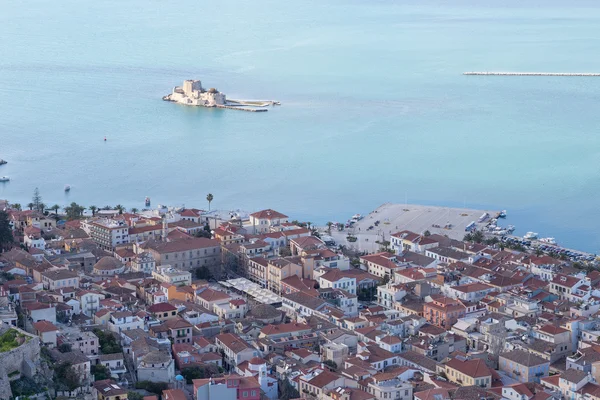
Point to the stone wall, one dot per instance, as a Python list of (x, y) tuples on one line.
[(24, 359)]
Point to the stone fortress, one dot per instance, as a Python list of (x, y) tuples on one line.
[(21, 360), (192, 93)]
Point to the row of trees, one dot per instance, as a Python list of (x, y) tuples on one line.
[(108, 342), (74, 210)]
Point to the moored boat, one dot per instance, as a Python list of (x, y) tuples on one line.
[(4, 179), (67, 188)]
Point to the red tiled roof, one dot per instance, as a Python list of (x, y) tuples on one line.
[(44, 326), (161, 307), (212, 295), (268, 214), (473, 368), (283, 328)]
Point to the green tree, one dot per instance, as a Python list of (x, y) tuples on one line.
[(120, 208), (286, 390), (66, 377), (134, 210), (16, 206), (134, 396), (6, 237), (153, 387), (209, 198), (64, 348), (426, 233), (329, 225), (205, 232), (55, 208), (206, 371), (30, 206), (108, 342), (74, 211), (93, 210), (100, 372), (36, 199)]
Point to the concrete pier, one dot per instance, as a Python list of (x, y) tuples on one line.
[(534, 73), (243, 109)]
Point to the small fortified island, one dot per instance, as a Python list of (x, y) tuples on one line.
[(193, 94)]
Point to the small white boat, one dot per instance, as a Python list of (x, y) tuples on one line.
[(4, 179), (530, 235), (67, 188), (549, 240), (356, 217), (502, 214)]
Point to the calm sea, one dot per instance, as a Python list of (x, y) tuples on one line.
[(375, 106)]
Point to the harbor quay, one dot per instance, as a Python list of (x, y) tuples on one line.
[(391, 218)]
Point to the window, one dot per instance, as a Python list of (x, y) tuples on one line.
[(253, 393), (245, 393)]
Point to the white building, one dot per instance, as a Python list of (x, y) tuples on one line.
[(263, 221), (124, 321), (108, 233), (168, 274), (144, 262), (192, 93)]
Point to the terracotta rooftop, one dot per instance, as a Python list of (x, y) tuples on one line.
[(268, 214), (473, 368)]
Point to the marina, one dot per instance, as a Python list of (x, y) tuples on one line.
[(534, 73)]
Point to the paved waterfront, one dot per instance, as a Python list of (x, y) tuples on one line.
[(417, 218)]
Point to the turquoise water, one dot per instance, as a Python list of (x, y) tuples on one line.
[(375, 106)]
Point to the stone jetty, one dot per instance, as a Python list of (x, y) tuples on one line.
[(534, 73)]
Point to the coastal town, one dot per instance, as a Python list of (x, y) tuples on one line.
[(177, 303)]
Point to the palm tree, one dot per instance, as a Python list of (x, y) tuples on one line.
[(134, 210), (93, 210), (41, 207), (55, 207), (16, 206), (120, 208), (329, 224), (30, 205), (209, 198)]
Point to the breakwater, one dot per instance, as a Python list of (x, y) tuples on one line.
[(534, 73), (243, 109)]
